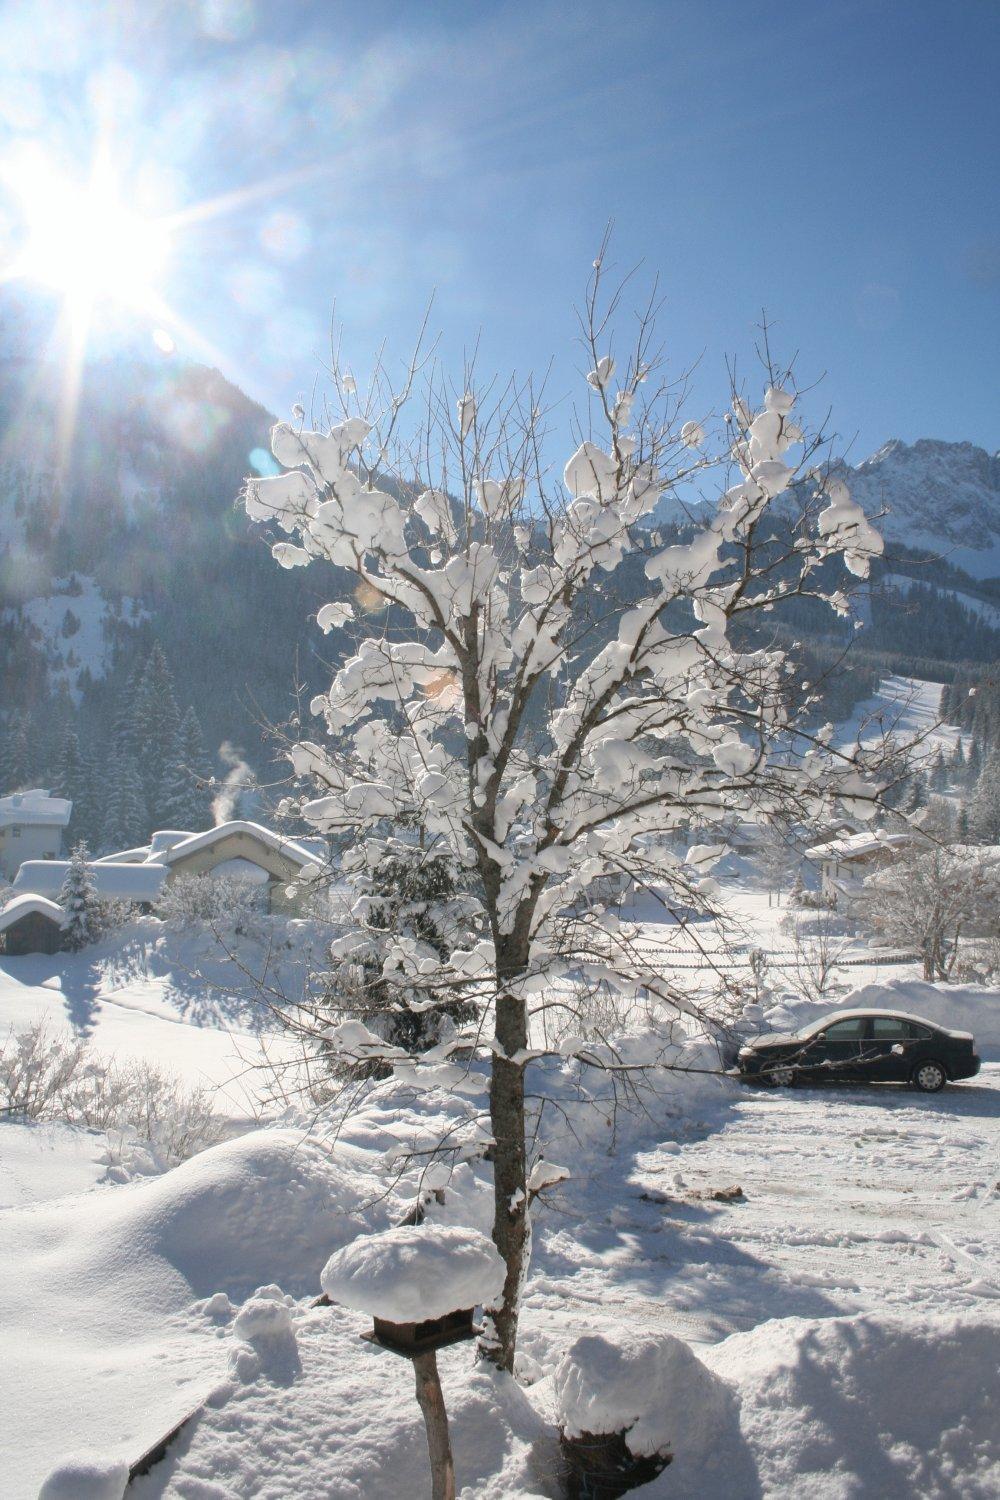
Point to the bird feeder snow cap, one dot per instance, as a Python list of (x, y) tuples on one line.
[(420, 1283)]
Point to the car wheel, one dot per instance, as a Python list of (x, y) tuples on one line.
[(782, 1078), (929, 1077)]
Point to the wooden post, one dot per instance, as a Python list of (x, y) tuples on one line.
[(431, 1401)]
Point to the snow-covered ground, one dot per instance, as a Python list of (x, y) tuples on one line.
[(861, 1251), (77, 627), (859, 1203), (153, 995)]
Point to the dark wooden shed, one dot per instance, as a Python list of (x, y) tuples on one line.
[(31, 924)]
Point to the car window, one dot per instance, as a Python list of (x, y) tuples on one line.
[(890, 1028), (895, 1029), (845, 1031)]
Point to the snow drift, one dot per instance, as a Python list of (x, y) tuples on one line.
[(838, 1408)]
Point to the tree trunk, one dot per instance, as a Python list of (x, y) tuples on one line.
[(510, 1189), (431, 1401)]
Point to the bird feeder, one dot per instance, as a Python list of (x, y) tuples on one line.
[(422, 1337), (421, 1285)]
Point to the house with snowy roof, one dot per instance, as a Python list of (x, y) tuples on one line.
[(236, 850), (845, 862), (241, 850), (31, 827), (31, 924)]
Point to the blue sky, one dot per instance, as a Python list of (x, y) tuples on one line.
[(834, 163)]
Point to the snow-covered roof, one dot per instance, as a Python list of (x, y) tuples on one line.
[(23, 906), (411, 1273), (136, 856), (35, 807), (167, 838), (859, 845), (115, 882), (296, 852)]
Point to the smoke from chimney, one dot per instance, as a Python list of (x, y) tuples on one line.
[(238, 776)]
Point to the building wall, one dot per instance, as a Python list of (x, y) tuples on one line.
[(21, 841), (32, 933)]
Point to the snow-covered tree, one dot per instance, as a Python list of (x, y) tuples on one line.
[(126, 818), (183, 798), (551, 730), (986, 801), (932, 894), (80, 902)]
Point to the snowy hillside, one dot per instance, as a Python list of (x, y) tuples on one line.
[(75, 627)]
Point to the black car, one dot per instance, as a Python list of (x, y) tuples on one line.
[(870, 1046)]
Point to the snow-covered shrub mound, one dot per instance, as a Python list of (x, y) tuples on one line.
[(654, 1389), (837, 1408), (959, 1007), (262, 1208), (86, 1477), (412, 1273)]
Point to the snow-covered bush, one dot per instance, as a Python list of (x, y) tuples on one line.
[(405, 894), (652, 1394), (51, 1076), (219, 902), (546, 735)]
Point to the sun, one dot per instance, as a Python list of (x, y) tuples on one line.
[(83, 240)]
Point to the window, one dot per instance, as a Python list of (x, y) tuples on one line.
[(845, 1031), (895, 1029)]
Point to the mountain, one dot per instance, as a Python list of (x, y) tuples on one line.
[(942, 497), (120, 528)]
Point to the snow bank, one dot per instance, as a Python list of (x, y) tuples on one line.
[(43, 1161), (653, 1389), (837, 1408), (411, 1273)]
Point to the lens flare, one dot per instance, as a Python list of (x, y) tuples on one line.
[(82, 239)]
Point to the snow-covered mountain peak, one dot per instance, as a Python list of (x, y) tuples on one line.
[(938, 495)]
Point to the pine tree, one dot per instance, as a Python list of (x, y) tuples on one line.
[(123, 731), (184, 797), (192, 785), (916, 795), (938, 771), (157, 722), (986, 801), (68, 781), (15, 757), (88, 807), (78, 900), (126, 821)]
